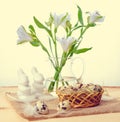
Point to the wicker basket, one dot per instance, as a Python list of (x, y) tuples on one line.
[(82, 98)]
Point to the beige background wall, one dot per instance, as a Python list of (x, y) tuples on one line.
[(102, 63)]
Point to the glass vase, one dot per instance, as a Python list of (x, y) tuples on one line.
[(70, 74)]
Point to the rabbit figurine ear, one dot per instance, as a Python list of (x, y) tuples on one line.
[(38, 77), (22, 78)]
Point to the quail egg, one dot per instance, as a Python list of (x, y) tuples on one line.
[(63, 106), (41, 108)]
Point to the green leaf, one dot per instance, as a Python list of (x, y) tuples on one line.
[(35, 43), (80, 17), (83, 50), (40, 25), (92, 24), (32, 30)]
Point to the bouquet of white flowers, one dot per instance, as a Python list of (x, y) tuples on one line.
[(69, 43)]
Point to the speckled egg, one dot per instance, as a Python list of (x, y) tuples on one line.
[(63, 106), (98, 88), (41, 108), (90, 86)]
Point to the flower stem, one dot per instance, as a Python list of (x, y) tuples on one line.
[(57, 73), (83, 31), (80, 37)]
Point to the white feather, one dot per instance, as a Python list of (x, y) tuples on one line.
[(107, 98), (28, 110)]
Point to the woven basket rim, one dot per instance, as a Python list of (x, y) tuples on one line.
[(80, 92)]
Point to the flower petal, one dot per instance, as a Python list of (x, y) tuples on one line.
[(63, 43), (95, 17), (61, 19), (23, 35), (66, 42)]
